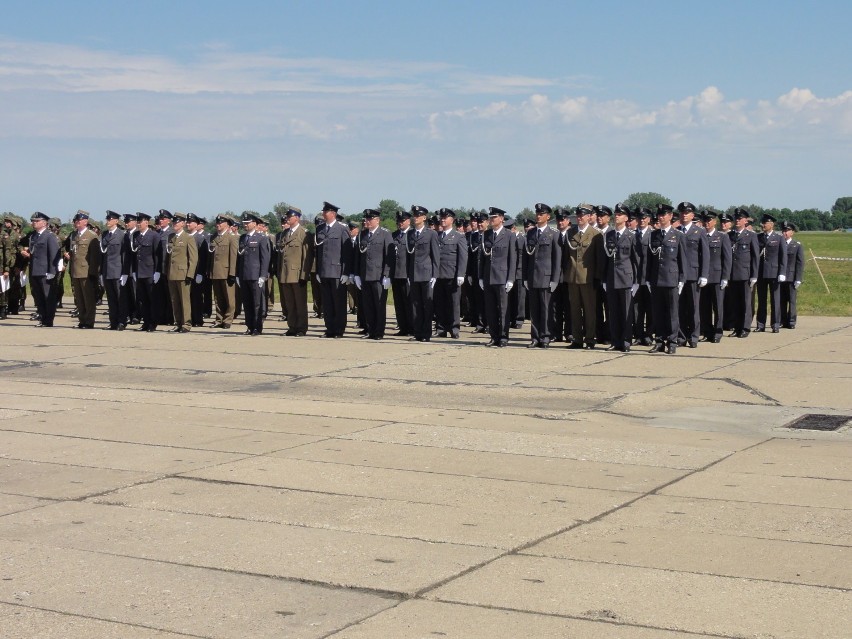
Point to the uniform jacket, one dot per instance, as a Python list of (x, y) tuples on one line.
[(745, 255), (333, 250), (114, 260), (253, 262), (181, 257), (453, 247), (145, 253), (773, 256), (582, 255), (201, 246), (795, 261), (499, 257), (84, 254), (621, 261), (474, 243), (222, 262), (697, 253), (44, 253), (399, 265), (666, 258), (720, 257), (373, 256), (520, 247), (423, 254), (162, 253), (642, 242), (542, 258), (294, 253)]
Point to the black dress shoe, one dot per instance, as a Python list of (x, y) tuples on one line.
[(625, 349), (743, 334), (326, 335), (760, 329), (658, 348), (591, 347), (120, 327), (672, 349), (774, 330), (575, 345), (183, 330), (533, 344), (299, 334), (692, 344), (400, 334), (377, 337), (491, 342), (612, 348), (502, 344), (480, 330), (545, 344), (714, 340), (363, 331), (558, 339)]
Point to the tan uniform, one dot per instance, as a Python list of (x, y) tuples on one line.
[(181, 261), (295, 250), (582, 259), (84, 264), (223, 265)]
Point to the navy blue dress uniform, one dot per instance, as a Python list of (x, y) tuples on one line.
[(712, 304), (162, 298), (452, 269), (745, 258), (604, 213), (253, 255), (115, 271), (643, 325), (620, 279), (399, 275), (43, 254), (128, 291), (476, 300), (373, 258), (542, 272), (197, 288), (666, 274), (497, 267), (771, 273), (560, 300), (333, 257), (424, 259), (144, 263), (795, 275), (697, 265), (517, 305)]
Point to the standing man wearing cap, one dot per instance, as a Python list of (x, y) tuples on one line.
[(371, 273), (222, 270), (252, 271), (795, 275), (604, 215), (712, 304), (477, 295), (560, 300), (82, 252), (620, 279), (399, 275), (451, 271), (295, 250), (666, 262), (745, 259), (333, 255), (115, 270), (144, 265), (516, 306), (772, 272), (423, 261), (642, 321), (697, 267), (195, 228), (43, 255), (542, 270), (8, 252), (54, 225), (17, 294), (128, 291), (584, 259), (497, 275), (163, 301), (181, 262)]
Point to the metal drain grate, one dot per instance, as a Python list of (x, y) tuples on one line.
[(819, 422)]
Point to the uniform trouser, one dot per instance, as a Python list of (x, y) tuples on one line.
[(44, 296), (664, 300), (517, 304), (740, 302), (789, 293), (601, 314), (207, 297), (181, 305), (420, 300), (480, 318), (85, 291), (129, 302), (224, 296), (402, 306), (316, 293), (771, 287), (561, 309), (333, 305), (15, 294), (115, 302), (620, 305), (252, 304), (689, 312), (539, 302), (464, 301), (196, 302), (145, 301), (374, 299), (583, 298), (163, 302), (238, 300), (294, 298), (60, 287), (712, 310), (496, 311), (643, 325), (447, 306), (284, 301), (728, 310)]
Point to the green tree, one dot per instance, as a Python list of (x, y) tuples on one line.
[(647, 199), (388, 209), (842, 205)]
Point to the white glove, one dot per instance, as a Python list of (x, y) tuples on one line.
[(238, 282), (133, 275), (603, 286), (344, 279), (553, 286), (198, 278), (260, 281), (752, 281), (386, 283), (526, 286), (702, 282), (796, 284), (509, 285), (679, 287), (648, 284), (431, 282), (782, 278), (482, 284), (60, 266), (357, 280), (470, 279), (459, 281), (156, 277), (633, 289), (123, 280), (723, 284), (49, 276)]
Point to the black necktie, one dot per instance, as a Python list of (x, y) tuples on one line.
[(416, 235)]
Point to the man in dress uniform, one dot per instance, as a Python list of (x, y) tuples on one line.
[(477, 295), (497, 275), (560, 300), (795, 274), (451, 273), (54, 225), (115, 270), (516, 308), (642, 320), (772, 272), (83, 255), (666, 261), (17, 293), (399, 275), (745, 259), (195, 228), (181, 262), (424, 258), (374, 253), (163, 301), (583, 258), (222, 265), (542, 270), (128, 291), (144, 265), (333, 255), (295, 251), (620, 279), (697, 266), (8, 251), (712, 304), (277, 242), (43, 255), (252, 272), (353, 293), (604, 215), (268, 300)]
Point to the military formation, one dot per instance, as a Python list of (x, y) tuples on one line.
[(587, 277)]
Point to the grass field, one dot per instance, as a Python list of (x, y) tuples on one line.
[(813, 297)]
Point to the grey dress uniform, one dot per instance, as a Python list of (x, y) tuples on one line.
[(333, 255), (696, 267), (253, 264), (642, 316), (424, 256), (44, 258), (745, 257), (666, 270), (476, 301), (196, 289), (451, 269), (499, 255), (789, 291), (399, 283), (712, 304), (144, 263), (163, 300), (542, 271), (373, 258), (620, 274), (773, 263), (518, 295), (115, 266)]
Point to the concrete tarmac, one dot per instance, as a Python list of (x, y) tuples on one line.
[(218, 485)]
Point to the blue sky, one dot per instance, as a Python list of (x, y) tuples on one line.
[(212, 106)]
